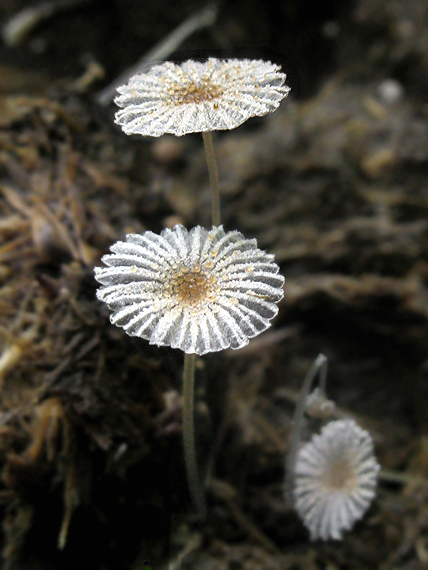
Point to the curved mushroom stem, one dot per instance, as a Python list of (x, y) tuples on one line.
[(318, 367), (189, 435), (213, 174)]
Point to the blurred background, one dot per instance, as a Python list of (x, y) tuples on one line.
[(334, 183)]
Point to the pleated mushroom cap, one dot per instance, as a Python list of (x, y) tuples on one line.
[(219, 94), (335, 479), (199, 291)]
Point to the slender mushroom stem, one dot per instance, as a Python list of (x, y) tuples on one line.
[(189, 435), (213, 173), (318, 367), (321, 365)]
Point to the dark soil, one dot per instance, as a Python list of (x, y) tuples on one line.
[(334, 183)]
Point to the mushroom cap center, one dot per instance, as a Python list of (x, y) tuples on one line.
[(192, 287), (194, 93), (340, 476)]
